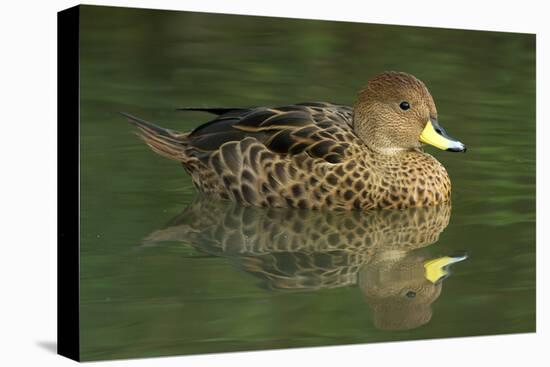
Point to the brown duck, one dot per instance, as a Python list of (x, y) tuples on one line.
[(319, 155)]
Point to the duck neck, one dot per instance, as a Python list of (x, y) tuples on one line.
[(373, 135)]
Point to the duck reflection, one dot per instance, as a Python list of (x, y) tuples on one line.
[(299, 250), (400, 287)]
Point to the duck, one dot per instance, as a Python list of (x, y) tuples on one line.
[(381, 253), (318, 155)]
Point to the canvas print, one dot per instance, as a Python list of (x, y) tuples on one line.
[(251, 183)]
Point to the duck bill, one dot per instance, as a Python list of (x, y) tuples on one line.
[(438, 269), (435, 135)]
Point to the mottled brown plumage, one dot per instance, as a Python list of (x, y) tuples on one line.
[(315, 155), (306, 250)]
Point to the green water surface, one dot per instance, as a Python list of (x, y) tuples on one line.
[(189, 293)]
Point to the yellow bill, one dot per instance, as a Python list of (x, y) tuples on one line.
[(435, 135), (438, 269)]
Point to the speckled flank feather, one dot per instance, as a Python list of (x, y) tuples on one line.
[(301, 156)]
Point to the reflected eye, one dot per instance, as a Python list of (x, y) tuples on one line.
[(404, 105), (411, 294)]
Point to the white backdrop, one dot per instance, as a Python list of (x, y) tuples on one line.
[(28, 181)]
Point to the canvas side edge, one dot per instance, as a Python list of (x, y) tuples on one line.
[(68, 182)]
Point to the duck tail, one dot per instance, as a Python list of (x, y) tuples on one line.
[(168, 143)]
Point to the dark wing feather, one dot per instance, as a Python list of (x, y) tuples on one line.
[(322, 130)]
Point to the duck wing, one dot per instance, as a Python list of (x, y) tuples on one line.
[(323, 130)]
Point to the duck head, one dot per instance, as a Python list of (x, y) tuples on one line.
[(396, 112)]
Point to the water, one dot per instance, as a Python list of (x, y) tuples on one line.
[(156, 280)]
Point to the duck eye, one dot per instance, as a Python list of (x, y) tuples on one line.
[(404, 105), (411, 294)]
